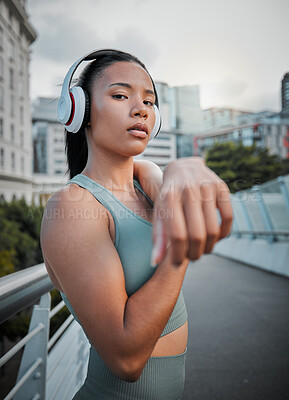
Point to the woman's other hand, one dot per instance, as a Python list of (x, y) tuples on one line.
[(185, 211)]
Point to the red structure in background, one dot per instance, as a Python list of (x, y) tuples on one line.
[(196, 146), (286, 143)]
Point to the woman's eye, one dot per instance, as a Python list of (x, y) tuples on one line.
[(119, 96), (148, 103)]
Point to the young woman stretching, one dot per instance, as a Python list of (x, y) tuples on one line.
[(119, 216)]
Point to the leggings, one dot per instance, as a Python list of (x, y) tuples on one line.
[(162, 378)]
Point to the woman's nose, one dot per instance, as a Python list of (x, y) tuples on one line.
[(139, 110)]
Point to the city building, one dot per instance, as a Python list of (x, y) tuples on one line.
[(185, 110), (285, 95), (48, 138), (220, 117), (266, 129), (16, 36), (49, 159)]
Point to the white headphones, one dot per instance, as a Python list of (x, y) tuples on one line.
[(73, 106)]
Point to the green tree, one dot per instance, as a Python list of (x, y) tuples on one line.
[(241, 167), (19, 236)]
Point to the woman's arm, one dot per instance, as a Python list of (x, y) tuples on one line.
[(124, 330), (188, 195)]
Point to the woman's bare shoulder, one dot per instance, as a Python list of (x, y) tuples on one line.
[(150, 177), (70, 210), (70, 200)]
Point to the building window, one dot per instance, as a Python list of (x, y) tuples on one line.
[(2, 161), (11, 78), (12, 133), (1, 97), (21, 64), (21, 138), (13, 161), (1, 68), (21, 88), (1, 39), (10, 20), (11, 50), (21, 114), (12, 104), (22, 165), (1, 128)]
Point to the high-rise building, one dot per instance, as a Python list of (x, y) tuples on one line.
[(49, 159), (48, 138), (285, 94), (186, 115), (16, 36)]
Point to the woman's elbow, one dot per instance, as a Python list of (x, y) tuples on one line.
[(128, 370)]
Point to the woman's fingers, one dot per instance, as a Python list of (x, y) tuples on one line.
[(196, 228), (169, 214), (187, 207), (225, 208), (212, 226)]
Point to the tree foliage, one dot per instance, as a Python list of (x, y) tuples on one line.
[(20, 248), (19, 236), (241, 167)]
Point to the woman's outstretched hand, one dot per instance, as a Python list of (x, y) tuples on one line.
[(185, 211)]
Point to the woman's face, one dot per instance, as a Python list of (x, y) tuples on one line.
[(122, 114)]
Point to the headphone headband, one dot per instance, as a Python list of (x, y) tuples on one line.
[(87, 57)]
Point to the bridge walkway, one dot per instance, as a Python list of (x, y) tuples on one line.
[(238, 332)]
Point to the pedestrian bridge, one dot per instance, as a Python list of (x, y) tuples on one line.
[(238, 315)]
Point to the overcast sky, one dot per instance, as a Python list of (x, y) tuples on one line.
[(237, 51)]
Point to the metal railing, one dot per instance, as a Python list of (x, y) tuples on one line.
[(49, 369), (263, 211)]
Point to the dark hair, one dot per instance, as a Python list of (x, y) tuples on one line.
[(76, 143)]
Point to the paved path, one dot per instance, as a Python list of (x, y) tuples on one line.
[(238, 332)]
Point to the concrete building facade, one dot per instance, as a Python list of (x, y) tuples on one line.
[(16, 36)]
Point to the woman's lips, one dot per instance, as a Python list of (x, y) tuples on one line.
[(136, 133), (138, 130)]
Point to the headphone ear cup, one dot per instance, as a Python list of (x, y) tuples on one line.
[(158, 123), (78, 99), (86, 117)]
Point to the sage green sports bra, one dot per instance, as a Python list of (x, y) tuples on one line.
[(133, 242)]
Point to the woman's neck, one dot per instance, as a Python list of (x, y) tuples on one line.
[(113, 172)]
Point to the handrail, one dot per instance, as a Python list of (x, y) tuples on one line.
[(41, 373), (261, 233), (22, 289)]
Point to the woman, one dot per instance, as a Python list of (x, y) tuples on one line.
[(99, 253)]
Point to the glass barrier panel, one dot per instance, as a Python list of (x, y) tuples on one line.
[(239, 221), (286, 181), (252, 204), (276, 206)]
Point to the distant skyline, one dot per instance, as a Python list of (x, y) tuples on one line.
[(236, 51)]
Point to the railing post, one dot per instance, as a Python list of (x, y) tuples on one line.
[(240, 196), (35, 354), (284, 191), (264, 213)]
